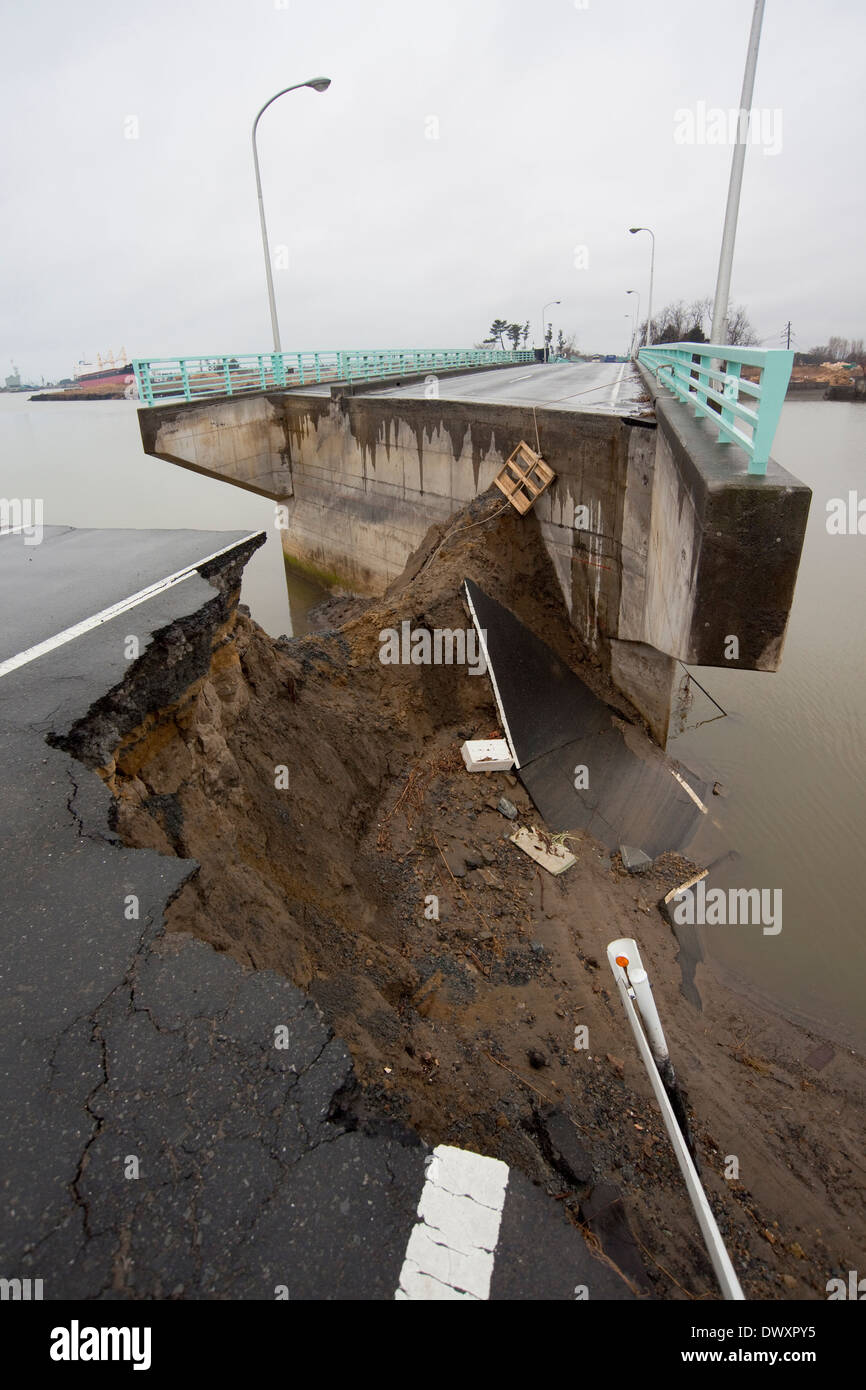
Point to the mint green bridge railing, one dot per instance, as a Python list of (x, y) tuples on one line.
[(709, 377), (161, 378)]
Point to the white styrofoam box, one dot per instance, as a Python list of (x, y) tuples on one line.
[(487, 755)]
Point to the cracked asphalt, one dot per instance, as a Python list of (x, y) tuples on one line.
[(173, 1126)]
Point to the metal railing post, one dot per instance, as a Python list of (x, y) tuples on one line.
[(732, 393), (143, 383), (774, 385)]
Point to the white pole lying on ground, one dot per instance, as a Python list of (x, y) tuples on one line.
[(636, 995)]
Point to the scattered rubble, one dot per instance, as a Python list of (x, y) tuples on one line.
[(635, 860)]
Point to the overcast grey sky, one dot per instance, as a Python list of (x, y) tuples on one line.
[(556, 130)]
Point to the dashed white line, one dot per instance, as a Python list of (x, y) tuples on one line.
[(451, 1249)]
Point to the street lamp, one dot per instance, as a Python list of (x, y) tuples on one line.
[(635, 321), (649, 307), (719, 329), (318, 84), (543, 313)]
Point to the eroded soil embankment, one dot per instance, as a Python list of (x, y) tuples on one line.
[(464, 1026)]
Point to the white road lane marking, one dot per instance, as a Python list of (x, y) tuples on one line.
[(68, 634), (451, 1250), (616, 389)]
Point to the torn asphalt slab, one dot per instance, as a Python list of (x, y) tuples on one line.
[(557, 726)]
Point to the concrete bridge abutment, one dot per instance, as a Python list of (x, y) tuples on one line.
[(665, 547)]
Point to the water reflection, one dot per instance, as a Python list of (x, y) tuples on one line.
[(304, 594)]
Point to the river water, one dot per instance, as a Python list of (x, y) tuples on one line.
[(790, 752), (85, 460)]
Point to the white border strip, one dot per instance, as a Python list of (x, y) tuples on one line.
[(106, 614), (684, 784), (482, 637), (451, 1250), (615, 394)]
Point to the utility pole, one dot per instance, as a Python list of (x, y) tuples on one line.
[(718, 332), (789, 334)]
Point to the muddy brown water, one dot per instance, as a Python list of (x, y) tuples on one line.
[(790, 753), (791, 756)]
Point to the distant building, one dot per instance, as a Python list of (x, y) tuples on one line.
[(14, 381)]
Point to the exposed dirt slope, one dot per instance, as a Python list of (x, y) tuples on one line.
[(465, 1026)]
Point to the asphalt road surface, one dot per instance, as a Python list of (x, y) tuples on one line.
[(171, 1124), (607, 386)]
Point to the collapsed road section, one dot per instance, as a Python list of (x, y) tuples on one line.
[(269, 946), (176, 1123)]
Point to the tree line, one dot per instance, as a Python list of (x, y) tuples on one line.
[(518, 335), (834, 350), (691, 323)]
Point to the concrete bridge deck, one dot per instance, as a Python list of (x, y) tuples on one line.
[(594, 386)]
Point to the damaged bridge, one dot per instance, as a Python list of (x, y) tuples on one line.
[(669, 542)]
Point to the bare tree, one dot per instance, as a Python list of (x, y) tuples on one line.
[(837, 350), (681, 323), (740, 330)]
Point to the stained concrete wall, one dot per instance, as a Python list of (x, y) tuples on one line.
[(239, 438), (678, 549), (370, 475)]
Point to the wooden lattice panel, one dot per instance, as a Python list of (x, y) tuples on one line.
[(524, 477)]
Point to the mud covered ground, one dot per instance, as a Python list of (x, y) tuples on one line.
[(463, 1025)]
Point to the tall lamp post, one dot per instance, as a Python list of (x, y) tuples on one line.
[(635, 323), (649, 307), (543, 313), (719, 330), (318, 84)]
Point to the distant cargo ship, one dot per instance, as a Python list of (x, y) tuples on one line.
[(112, 370)]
